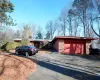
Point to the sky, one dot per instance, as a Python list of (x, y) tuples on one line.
[(38, 12)]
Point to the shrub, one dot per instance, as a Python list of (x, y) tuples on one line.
[(24, 42), (0, 51), (12, 45)]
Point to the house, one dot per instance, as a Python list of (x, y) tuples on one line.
[(72, 45), (39, 43), (36, 42), (65, 44)]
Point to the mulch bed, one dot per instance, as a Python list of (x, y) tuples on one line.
[(15, 68)]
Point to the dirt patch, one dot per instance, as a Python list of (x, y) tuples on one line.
[(15, 68), (12, 51)]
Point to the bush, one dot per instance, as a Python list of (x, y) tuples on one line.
[(24, 42), (0, 51), (12, 45)]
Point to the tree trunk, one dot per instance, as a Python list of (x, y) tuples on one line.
[(70, 26), (0, 24), (64, 28), (84, 21)]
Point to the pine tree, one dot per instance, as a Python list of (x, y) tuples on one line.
[(6, 7), (39, 35), (47, 35)]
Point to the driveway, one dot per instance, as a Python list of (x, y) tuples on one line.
[(65, 67)]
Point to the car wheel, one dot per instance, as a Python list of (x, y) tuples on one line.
[(34, 53), (16, 53), (26, 54)]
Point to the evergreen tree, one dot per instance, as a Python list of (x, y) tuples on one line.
[(6, 7), (39, 35), (47, 35)]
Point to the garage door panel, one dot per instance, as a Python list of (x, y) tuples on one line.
[(67, 48), (73, 48)]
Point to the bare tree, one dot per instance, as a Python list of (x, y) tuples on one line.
[(63, 21), (98, 24), (26, 33), (76, 26), (18, 34), (6, 36), (98, 5), (51, 28), (83, 7), (33, 30)]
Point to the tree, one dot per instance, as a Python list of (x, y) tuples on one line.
[(51, 28), (39, 35), (63, 21), (69, 22), (47, 35), (82, 7), (27, 33), (18, 34), (6, 7), (33, 31), (70, 19), (76, 26), (6, 36), (98, 5)]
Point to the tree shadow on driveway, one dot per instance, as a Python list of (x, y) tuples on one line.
[(88, 57), (68, 71), (65, 70)]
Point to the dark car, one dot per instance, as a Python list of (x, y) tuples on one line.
[(27, 50)]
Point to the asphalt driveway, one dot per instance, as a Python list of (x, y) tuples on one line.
[(65, 67)]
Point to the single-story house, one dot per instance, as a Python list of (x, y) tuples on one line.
[(39, 43), (65, 44), (36, 42), (72, 45)]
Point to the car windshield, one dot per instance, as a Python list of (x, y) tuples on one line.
[(31, 46)]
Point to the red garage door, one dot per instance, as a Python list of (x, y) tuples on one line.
[(72, 47)]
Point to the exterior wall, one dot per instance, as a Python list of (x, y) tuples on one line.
[(87, 47), (17, 41), (56, 45), (73, 47), (61, 45), (31, 43)]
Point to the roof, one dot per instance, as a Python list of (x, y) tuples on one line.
[(39, 40), (17, 39), (33, 40), (73, 37), (61, 37)]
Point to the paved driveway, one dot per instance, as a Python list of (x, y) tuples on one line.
[(65, 67)]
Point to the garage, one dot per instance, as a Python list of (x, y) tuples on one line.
[(72, 45)]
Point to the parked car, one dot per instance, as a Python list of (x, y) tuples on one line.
[(27, 50)]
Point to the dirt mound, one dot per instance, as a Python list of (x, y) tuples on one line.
[(15, 68)]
